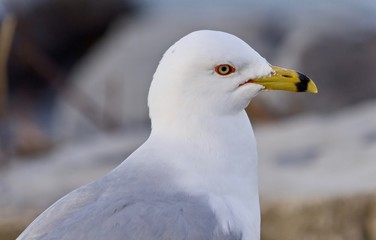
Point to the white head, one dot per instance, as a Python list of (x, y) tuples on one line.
[(193, 78), (186, 78)]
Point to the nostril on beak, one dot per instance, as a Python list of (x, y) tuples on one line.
[(286, 76)]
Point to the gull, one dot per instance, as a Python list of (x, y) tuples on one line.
[(195, 177)]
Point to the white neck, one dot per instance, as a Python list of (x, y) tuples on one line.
[(222, 165)]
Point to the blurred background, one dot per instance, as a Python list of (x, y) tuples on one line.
[(74, 78)]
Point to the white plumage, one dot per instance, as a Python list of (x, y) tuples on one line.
[(196, 175)]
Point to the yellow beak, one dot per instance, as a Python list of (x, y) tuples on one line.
[(288, 80)]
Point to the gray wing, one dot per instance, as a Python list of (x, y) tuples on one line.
[(126, 209)]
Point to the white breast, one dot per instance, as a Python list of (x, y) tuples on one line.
[(220, 164)]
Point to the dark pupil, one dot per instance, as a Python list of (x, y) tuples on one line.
[(224, 69)]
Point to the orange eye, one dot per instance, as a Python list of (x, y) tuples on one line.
[(224, 69)]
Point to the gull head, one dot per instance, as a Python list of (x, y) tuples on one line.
[(215, 73)]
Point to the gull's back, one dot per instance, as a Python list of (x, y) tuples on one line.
[(128, 203)]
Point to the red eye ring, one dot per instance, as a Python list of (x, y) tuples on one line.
[(224, 69)]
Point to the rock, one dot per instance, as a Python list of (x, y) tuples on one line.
[(49, 38), (319, 156), (370, 226), (337, 50), (345, 218)]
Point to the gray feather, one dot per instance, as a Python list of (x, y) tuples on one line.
[(128, 205)]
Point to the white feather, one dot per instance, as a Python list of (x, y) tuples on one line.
[(198, 119)]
